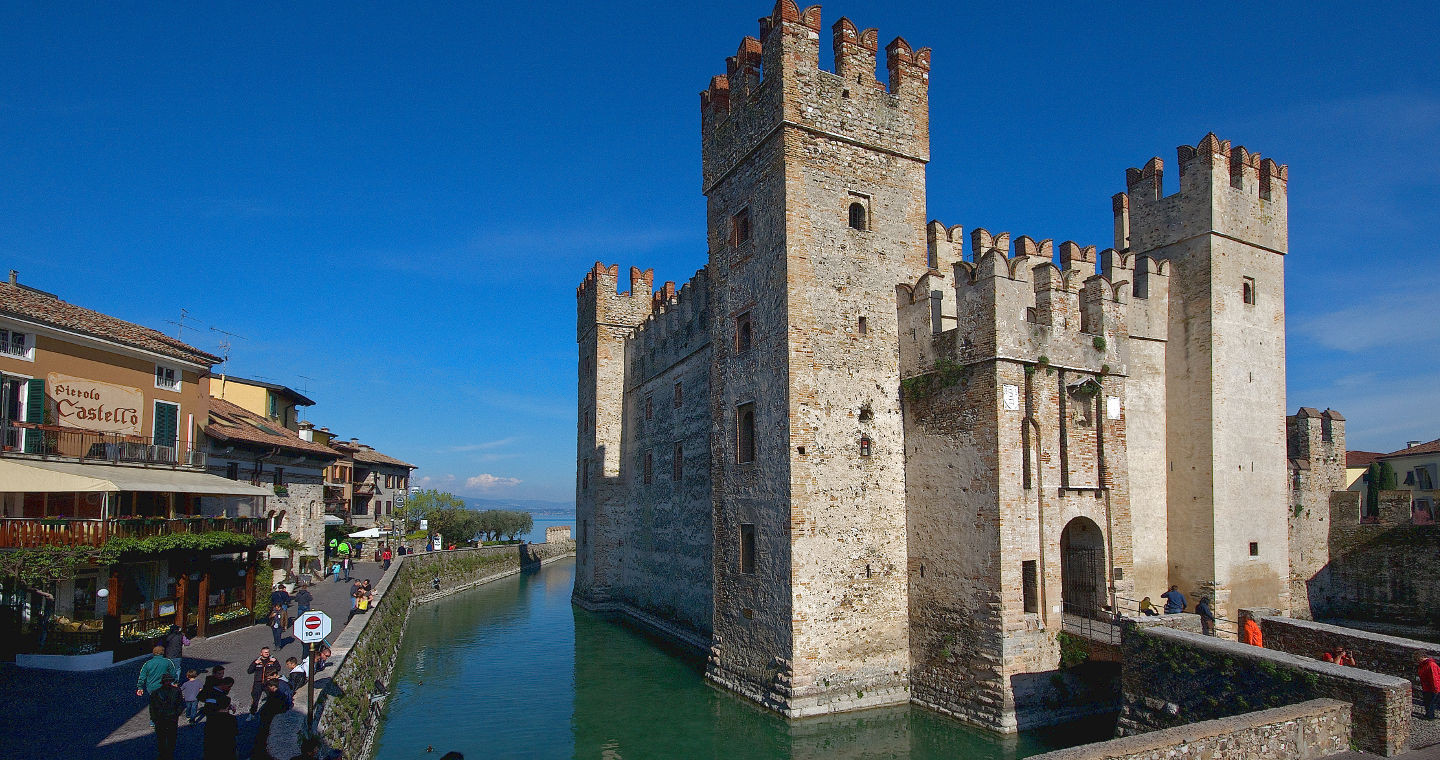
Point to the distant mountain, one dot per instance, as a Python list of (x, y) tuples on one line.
[(533, 506)]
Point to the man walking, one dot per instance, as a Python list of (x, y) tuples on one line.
[(174, 643), (152, 672), (264, 667), (385, 557), (1429, 685), (165, 707), (221, 729), (277, 627), (303, 599), (1207, 616), (280, 599)]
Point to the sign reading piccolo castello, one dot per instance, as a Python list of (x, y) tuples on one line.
[(93, 405)]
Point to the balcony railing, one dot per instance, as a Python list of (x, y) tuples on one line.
[(54, 442), (27, 532)]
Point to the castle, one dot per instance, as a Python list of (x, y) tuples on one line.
[(860, 464)]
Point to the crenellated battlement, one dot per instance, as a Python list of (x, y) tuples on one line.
[(1226, 189), (776, 79), (675, 329), (600, 302)]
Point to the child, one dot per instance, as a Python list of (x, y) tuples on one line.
[(190, 692)]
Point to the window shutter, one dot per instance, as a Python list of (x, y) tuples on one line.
[(166, 429), (35, 412)]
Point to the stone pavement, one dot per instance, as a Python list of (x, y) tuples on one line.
[(97, 715)]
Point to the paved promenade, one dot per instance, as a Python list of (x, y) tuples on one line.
[(53, 714)]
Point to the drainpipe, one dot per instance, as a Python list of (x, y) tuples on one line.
[(1109, 521)]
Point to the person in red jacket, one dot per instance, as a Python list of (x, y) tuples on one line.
[(1429, 684)]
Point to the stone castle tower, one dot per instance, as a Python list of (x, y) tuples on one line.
[(816, 208), (857, 464)]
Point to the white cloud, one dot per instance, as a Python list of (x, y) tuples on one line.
[(480, 446), (1385, 319), (485, 482), (435, 481)]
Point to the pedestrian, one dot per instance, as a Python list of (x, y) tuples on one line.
[(297, 676), (276, 622), (1327, 656), (1343, 657), (1207, 616), (1250, 633), (209, 694), (264, 667), (165, 707), (385, 557), (190, 692), (303, 599), (150, 673), (1147, 607), (221, 730), (280, 599), (277, 702), (174, 643), (1174, 600), (217, 674), (345, 566), (1429, 685)]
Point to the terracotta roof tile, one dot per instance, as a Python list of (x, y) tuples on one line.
[(1355, 459), (1431, 447), (230, 422), (24, 303), (371, 456)]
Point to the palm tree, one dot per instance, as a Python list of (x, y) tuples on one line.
[(291, 545)]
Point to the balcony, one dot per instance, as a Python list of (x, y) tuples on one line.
[(28, 532), (27, 439)]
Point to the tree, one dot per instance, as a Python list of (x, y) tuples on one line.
[(423, 504), (291, 545), (1381, 477), (520, 522)]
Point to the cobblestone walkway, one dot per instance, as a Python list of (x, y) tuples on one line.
[(97, 715)]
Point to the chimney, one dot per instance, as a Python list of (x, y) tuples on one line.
[(307, 431), (1411, 444), (14, 277)]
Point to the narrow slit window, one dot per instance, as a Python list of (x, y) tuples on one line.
[(649, 408), (862, 327), (1254, 549), (1030, 585), (679, 463), (1247, 290), (585, 473), (743, 333), (745, 433), (649, 468), (747, 548), (678, 395), (864, 445)]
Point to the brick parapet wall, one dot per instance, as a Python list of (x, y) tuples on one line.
[(1174, 677), (1390, 655), (1303, 731)]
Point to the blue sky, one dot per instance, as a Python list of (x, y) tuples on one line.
[(397, 201)]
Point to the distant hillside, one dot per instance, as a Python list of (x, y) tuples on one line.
[(533, 506)]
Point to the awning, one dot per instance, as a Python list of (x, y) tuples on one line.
[(51, 477), (333, 520)]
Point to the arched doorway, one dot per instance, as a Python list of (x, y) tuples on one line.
[(1082, 568)]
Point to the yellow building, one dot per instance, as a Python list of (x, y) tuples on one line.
[(270, 400)]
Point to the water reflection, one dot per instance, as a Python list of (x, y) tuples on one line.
[(511, 669)]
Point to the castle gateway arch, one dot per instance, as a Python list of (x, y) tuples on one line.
[(1082, 568)]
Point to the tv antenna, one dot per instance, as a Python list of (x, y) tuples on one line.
[(225, 343), (180, 323), (305, 387)]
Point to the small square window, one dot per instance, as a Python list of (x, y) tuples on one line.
[(167, 378), (1254, 549), (16, 345), (858, 211), (232, 471), (1247, 290), (740, 227)]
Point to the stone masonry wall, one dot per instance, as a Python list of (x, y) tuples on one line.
[(1377, 571), (1390, 655), (1316, 448), (1304, 731), (1172, 677)]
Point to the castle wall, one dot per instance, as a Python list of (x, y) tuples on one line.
[(1316, 443), (1228, 501)]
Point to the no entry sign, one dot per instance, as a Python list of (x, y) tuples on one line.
[(311, 627)]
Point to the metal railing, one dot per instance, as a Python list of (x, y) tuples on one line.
[(53, 441), (1224, 627)]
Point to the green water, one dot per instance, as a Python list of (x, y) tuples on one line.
[(511, 670)]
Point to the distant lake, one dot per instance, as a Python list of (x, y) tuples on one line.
[(547, 520)]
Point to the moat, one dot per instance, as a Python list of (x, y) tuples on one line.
[(511, 669)]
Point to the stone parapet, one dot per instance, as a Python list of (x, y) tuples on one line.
[(1390, 655), (1313, 729)]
